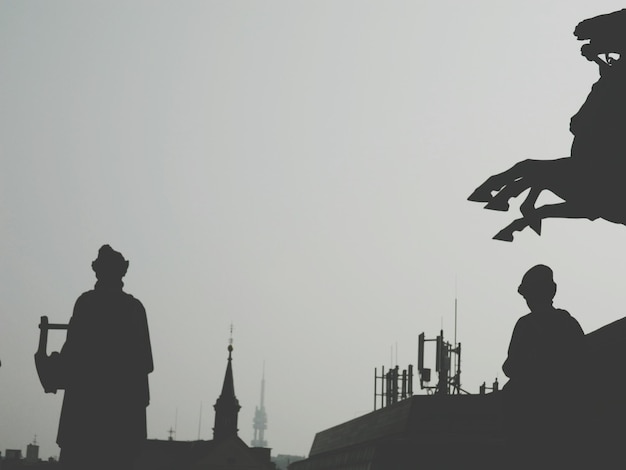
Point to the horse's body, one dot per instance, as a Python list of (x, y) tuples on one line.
[(591, 180)]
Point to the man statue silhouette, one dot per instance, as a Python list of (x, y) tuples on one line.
[(106, 361), (542, 405)]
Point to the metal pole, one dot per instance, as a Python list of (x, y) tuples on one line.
[(200, 417), (375, 381), (382, 387)]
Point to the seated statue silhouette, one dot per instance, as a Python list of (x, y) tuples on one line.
[(542, 409), (590, 180), (106, 360)]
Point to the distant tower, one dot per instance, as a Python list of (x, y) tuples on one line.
[(260, 418), (32, 452), (227, 406)]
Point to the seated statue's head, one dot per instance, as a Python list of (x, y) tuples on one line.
[(538, 287), (110, 264)]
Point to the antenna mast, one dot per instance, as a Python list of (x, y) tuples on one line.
[(446, 354), (200, 421), (455, 357)]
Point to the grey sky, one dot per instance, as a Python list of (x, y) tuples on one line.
[(297, 168)]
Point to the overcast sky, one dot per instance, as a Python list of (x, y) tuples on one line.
[(299, 169)]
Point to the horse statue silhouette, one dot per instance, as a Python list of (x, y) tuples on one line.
[(591, 181)]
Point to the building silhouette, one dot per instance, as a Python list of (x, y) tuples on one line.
[(14, 459), (226, 451), (423, 431), (466, 431), (32, 452), (260, 419)]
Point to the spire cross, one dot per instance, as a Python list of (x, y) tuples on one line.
[(230, 342)]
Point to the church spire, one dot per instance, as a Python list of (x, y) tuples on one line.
[(227, 406)]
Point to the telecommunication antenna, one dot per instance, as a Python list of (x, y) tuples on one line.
[(456, 357), (200, 421), (396, 352), (176, 421), (449, 377), (455, 308), (395, 385)]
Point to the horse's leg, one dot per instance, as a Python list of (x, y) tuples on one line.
[(497, 182), (500, 202), (559, 176), (528, 210), (561, 210), (556, 175), (506, 234)]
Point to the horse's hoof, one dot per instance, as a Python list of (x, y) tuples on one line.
[(480, 195), (535, 225), (504, 235), (498, 205)]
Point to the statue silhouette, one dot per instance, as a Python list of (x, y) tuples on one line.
[(542, 409), (590, 181), (106, 360)]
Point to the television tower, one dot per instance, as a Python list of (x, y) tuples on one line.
[(260, 418)]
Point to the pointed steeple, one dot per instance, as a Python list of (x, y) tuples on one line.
[(227, 406)]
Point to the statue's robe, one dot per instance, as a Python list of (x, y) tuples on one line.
[(106, 361)]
